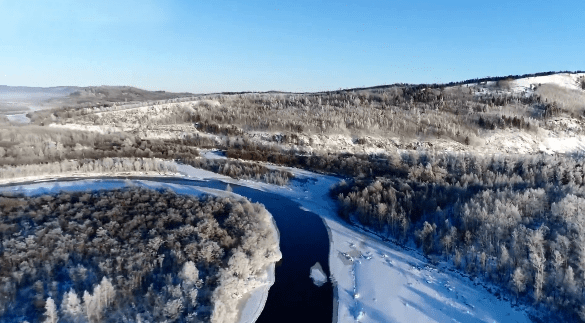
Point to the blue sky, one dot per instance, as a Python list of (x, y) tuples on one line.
[(212, 46)]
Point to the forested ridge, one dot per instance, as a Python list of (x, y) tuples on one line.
[(129, 255), (409, 111)]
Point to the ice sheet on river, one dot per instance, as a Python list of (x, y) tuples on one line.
[(318, 275)]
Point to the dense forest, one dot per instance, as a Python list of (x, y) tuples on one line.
[(516, 221), (35, 145), (130, 255)]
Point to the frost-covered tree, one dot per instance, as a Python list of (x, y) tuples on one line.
[(519, 280), (89, 305), (537, 259), (173, 309), (189, 273), (71, 305), (107, 291), (51, 311), (569, 282), (504, 259)]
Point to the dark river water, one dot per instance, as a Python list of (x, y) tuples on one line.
[(303, 242)]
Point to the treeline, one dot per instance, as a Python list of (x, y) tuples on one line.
[(333, 163), (130, 255), (468, 81), (34, 145), (241, 170), (90, 166), (514, 220), (503, 122), (513, 77)]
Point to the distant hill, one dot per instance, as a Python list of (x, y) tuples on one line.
[(23, 99), (16, 92), (111, 94)]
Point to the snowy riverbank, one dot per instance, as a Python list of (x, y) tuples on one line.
[(379, 281), (81, 175)]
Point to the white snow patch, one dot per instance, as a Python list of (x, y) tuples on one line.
[(18, 118), (520, 142), (202, 174), (565, 80), (253, 303), (318, 275), (527, 85), (212, 154), (102, 129)]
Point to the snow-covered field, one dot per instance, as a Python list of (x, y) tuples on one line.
[(527, 85), (18, 118), (565, 80)]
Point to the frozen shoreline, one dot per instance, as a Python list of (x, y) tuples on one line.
[(80, 175)]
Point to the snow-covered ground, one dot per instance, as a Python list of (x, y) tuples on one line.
[(212, 154), (18, 118), (528, 84), (513, 141), (87, 127)]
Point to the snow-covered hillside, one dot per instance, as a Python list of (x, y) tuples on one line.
[(564, 80)]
